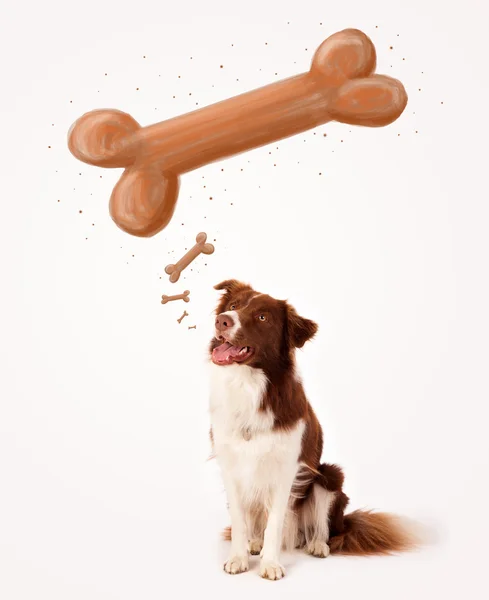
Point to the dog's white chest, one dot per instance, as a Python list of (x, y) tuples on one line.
[(246, 447)]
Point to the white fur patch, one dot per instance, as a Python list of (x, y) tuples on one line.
[(258, 470), (315, 516)]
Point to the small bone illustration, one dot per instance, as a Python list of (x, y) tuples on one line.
[(193, 327), (184, 297), (340, 86), (185, 314), (174, 271)]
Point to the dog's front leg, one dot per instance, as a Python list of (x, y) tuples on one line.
[(238, 561), (270, 567)]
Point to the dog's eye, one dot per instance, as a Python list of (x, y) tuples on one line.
[(262, 317), (232, 307)]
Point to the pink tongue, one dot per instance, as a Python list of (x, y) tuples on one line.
[(225, 352)]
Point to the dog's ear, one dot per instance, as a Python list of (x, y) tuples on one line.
[(231, 286), (299, 329)]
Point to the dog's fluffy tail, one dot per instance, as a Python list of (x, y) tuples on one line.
[(368, 533)]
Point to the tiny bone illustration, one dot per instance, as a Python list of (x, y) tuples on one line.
[(193, 327), (340, 86), (185, 314), (184, 297), (174, 271)]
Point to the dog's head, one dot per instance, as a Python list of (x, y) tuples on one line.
[(255, 329)]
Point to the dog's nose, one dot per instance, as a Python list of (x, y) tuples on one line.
[(224, 322)]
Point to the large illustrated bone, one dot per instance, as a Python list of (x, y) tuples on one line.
[(340, 86)]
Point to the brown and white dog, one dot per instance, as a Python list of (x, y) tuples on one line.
[(268, 443)]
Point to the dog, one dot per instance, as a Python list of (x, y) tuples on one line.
[(268, 443)]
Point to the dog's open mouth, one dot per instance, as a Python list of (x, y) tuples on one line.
[(226, 354)]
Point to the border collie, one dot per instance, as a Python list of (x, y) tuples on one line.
[(268, 443)]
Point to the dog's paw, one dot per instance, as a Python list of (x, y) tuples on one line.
[(236, 564), (256, 547), (319, 549), (271, 570)]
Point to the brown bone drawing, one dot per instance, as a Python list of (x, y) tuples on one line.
[(184, 297), (193, 327), (185, 314), (174, 271), (340, 86)]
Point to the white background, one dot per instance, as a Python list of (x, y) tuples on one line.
[(105, 492)]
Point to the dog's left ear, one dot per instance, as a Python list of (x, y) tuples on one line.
[(300, 330), (231, 285)]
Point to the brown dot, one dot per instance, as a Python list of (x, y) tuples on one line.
[(49, 146), (325, 135), (71, 101), (105, 74), (441, 102), (59, 200), (210, 197), (320, 173), (144, 56), (80, 211), (391, 47), (419, 89), (221, 66), (137, 89)]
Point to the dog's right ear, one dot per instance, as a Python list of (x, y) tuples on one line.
[(231, 286)]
